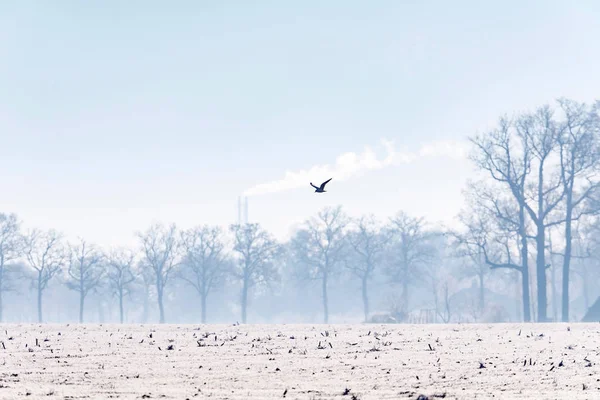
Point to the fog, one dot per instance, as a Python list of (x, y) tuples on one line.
[(462, 140), (523, 248)]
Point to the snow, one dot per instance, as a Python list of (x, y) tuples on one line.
[(369, 361)]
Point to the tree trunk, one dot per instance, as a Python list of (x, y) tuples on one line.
[(447, 302), (81, 301), (203, 297), (325, 301), (481, 292), (540, 240), (553, 285), (542, 299), (121, 305), (567, 257), (100, 304), (436, 302), (533, 298), (524, 265), (526, 300), (39, 297), (159, 296), (519, 307), (405, 284), (161, 309), (1, 290), (244, 299), (146, 309), (554, 290), (585, 288), (365, 297)]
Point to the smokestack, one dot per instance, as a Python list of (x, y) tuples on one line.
[(239, 210), (245, 210)]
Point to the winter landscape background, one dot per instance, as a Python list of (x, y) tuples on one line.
[(524, 248), (159, 237)]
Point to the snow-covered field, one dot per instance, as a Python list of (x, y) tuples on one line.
[(524, 361)]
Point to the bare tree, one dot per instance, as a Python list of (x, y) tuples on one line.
[(368, 242), (85, 271), (472, 257), (160, 249), (579, 165), (494, 229), (257, 251), (45, 253), (320, 248), (443, 311), (509, 154), (410, 250), (148, 287), (504, 217), (478, 268), (121, 275), (546, 192), (205, 263), (553, 253), (10, 249)]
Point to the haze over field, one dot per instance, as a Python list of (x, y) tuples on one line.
[(462, 139), (159, 237), (116, 115)]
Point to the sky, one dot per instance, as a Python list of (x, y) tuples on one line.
[(115, 115)]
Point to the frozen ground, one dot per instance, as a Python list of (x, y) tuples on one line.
[(518, 361)]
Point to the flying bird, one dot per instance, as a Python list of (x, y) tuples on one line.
[(321, 189)]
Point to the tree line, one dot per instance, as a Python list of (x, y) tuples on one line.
[(530, 215), (205, 257)]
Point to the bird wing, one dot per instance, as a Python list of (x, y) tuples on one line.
[(311, 184), (325, 183)]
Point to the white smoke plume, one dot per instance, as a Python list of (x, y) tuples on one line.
[(349, 165)]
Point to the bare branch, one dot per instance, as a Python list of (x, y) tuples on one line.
[(205, 263), (45, 253), (161, 257)]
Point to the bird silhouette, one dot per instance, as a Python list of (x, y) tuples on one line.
[(321, 189)]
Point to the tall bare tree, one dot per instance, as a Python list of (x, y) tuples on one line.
[(519, 156), (368, 242), (205, 262), (579, 167), (10, 249), (495, 228), (257, 251), (121, 275), (553, 257), (410, 250), (320, 248), (541, 132), (45, 253), (85, 271), (160, 247)]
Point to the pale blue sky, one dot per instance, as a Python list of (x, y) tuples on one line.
[(121, 113)]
